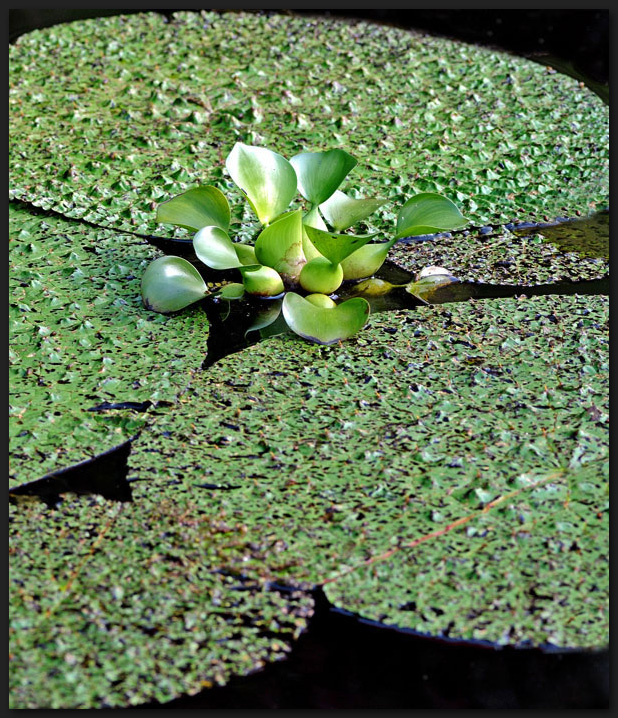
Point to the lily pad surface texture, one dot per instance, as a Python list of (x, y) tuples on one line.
[(444, 470)]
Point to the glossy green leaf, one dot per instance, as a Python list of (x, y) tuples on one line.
[(366, 261), (427, 213), (320, 173), (336, 247), (280, 245), (321, 300), (214, 247), (313, 218), (196, 208), (233, 290), (267, 178), (341, 211), (325, 325), (170, 284), (245, 253)]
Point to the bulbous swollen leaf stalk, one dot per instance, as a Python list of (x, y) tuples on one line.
[(262, 281), (321, 275)]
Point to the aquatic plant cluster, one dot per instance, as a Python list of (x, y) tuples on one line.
[(302, 254)]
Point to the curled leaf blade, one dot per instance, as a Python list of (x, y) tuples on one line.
[(171, 283), (428, 213), (336, 247), (214, 247), (320, 173), (196, 208), (324, 325), (266, 177), (341, 211)]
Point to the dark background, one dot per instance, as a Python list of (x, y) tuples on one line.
[(580, 37)]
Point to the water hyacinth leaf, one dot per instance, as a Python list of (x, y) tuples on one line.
[(336, 247), (426, 287), (280, 245), (245, 253), (233, 290), (170, 284), (267, 178), (325, 325), (214, 247), (427, 213), (313, 218), (366, 261), (341, 211), (321, 300), (262, 281), (196, 208), (320, 173)]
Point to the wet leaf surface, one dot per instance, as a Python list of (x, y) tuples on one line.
[(345, 453), (80, 337)]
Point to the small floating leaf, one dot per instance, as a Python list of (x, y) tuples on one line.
[(267, 178), (196, 208), (324, 325), (170, 284), (280, 245), (341, 211), (336, 247), (320, 173), (427, 213), (426, 286), (214, 247), (233, 290)]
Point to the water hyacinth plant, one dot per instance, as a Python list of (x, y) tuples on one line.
[(303, 255)]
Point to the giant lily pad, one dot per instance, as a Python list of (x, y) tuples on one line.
[(344, 454)]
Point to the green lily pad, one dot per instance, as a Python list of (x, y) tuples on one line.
[(320, 173), (324, 325), (81, 340), (196, 208)]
